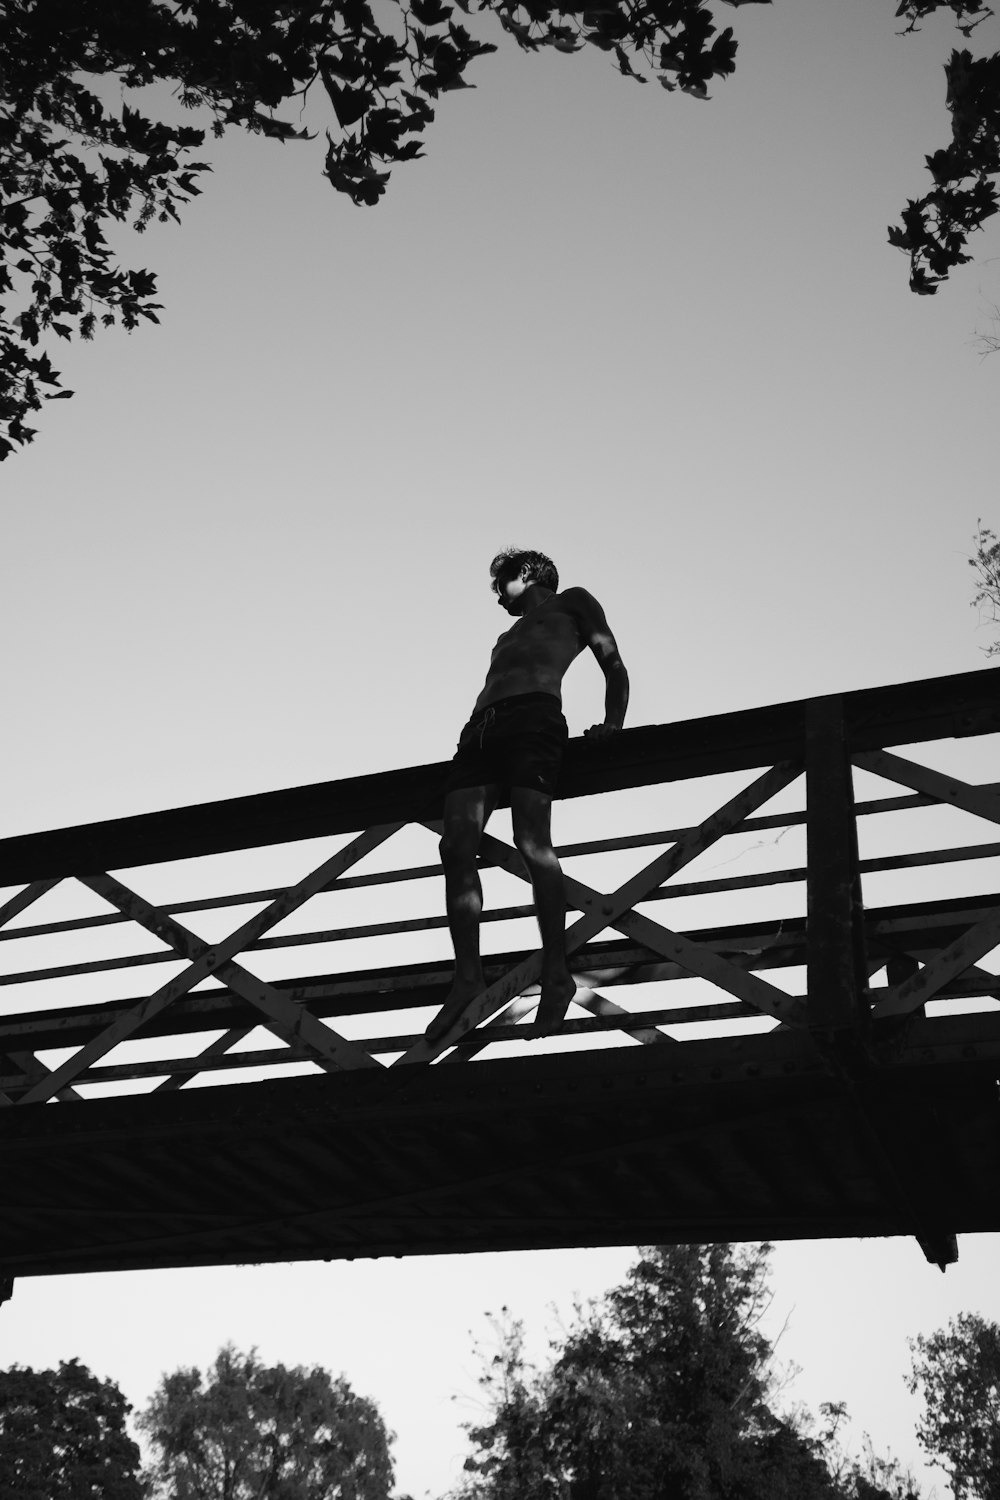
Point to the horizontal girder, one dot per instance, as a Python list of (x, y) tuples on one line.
[(748, 1139)]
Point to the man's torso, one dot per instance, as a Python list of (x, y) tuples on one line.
[(533, 655)]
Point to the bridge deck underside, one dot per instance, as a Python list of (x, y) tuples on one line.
[(750, 1138)]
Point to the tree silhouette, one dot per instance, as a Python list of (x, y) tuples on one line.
[(957, 1371), (247, 1431), (62, 1434), (663, 1390), (985, 562)]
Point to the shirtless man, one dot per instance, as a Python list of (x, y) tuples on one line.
[(515, 739)]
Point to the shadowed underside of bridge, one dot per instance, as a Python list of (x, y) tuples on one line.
[(865, 1104), (755, 1143)]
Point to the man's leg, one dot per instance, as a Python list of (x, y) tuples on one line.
[(466, 812), (532, 815)]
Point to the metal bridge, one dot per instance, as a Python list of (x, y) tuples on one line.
[(784, 1059)]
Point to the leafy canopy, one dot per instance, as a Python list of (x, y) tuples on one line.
[(69, 162), (957, 1372), (985, 561), (62, 1433), (663, 1390), (246, 1430)]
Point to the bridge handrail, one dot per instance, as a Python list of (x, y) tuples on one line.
[(899, 714), (927, 952), (425, 872)]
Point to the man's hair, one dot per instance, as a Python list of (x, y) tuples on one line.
[(512, 561)]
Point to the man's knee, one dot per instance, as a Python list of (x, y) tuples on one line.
[(534, 847), (459, 844)]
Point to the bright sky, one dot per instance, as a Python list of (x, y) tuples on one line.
[(664, 341)]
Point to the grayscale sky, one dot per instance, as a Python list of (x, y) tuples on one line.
[(663, 340)]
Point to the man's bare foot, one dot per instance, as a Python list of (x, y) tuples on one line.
[(553, 1005), (457, 1002)]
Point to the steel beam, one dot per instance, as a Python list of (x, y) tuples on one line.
[(982, 802), (835, 957), (16, 904)]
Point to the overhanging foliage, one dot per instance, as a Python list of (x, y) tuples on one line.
[(69, 164)]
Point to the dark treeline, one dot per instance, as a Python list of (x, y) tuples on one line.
[(665, 1388)]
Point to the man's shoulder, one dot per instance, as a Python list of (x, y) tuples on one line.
[(579, 601)]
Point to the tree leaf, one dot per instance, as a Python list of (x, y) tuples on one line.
[(280, 130)]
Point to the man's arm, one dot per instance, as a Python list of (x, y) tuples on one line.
[(598, 636)]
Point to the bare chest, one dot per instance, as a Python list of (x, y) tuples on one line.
[(550, 636)]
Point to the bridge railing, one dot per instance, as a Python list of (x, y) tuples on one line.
[(304, 929)]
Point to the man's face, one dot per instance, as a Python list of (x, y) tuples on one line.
[(511, 595)]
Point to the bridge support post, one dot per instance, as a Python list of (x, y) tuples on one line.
[(837, 976), (838, 1008)]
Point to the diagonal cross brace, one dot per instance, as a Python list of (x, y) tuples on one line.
[(33, 1068), (913, 992), (587, 998), (292, 1022), (766, 998), (600, 1005), (224, 1043), (19, 903), (979, 801), (602, 911), (938, 971), (664, 941)]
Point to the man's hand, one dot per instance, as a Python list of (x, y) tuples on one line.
[(600, 731)]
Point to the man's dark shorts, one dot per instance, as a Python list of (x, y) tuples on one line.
[(514, 742)]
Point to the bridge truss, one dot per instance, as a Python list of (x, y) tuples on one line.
[(792, 1056)]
